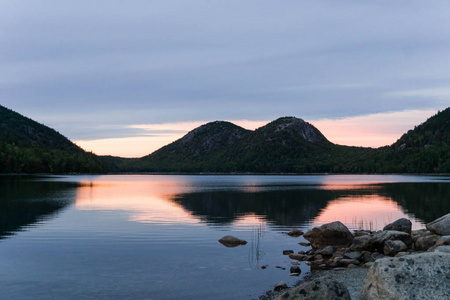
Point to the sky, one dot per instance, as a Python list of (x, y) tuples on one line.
[(127, 77)]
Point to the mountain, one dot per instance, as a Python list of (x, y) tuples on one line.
[(424, 149), (29, 147), (291, 145), (286, 145)]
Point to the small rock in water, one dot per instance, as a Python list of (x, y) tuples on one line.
[(264, 267), (295, 271), (282, 268), (280, 286), (287, 252), (231, 241), (294, 262), (295, 233), (304, 244)]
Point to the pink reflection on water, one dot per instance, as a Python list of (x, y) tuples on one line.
[(371, 212)]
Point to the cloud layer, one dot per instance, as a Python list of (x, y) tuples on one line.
[(91, 69)]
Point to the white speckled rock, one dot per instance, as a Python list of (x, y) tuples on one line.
[(421, 276)]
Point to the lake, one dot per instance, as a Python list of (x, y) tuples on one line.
[(156, 236)]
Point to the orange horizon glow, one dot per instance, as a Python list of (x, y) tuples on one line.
[(374, 130)]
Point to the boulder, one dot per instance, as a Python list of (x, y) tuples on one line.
[(325, 289), (295, 232), (440, 226), (352, 255), (332, 234), (231, 241), (391, 248), (328, 251), (425, 242), (381, 237), (420, 276), (362, 243), (403, 225), (442, 249), (444, 240)]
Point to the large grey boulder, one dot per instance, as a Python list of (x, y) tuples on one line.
[(231, 241), (440, 226), (320, 289), (420, 276), (400, 225), (333, 234), (379, 238)]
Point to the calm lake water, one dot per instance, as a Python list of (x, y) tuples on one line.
[(155, 237)]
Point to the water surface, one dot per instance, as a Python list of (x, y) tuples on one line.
[(153, 237)]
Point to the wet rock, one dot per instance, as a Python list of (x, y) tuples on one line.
[(231, 241), (380, 238), (403, 225), (287, 252), (420, 276), (295, 271), (352, 255), (304, 244), (391, 248), (295, 233), (440, 226), (295, 263), (264, 267), (345, 262), (425, 242), (328, 251), (318, 289), (280, 286), (442, 249), (296, 256), (362, 243), (332, 234), (444, 240), (361, 232)]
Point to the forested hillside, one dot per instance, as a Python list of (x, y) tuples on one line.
[(29, 147)]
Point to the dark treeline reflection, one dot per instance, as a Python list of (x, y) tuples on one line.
[(427, 201), (294, 207), (297, 207), (25, 201)]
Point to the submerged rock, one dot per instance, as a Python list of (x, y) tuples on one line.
[(295, 232), (420, 276), (231, 241), (332, 234)]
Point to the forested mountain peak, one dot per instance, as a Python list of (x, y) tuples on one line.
[(432, 133), (214, 134), (296, 127), (29, 147), (19, 129)]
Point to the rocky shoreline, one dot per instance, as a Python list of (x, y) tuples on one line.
[(400, 263)]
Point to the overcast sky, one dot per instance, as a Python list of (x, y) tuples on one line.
[(100, 70)]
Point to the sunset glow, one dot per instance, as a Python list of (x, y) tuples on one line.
[(366, 131)]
